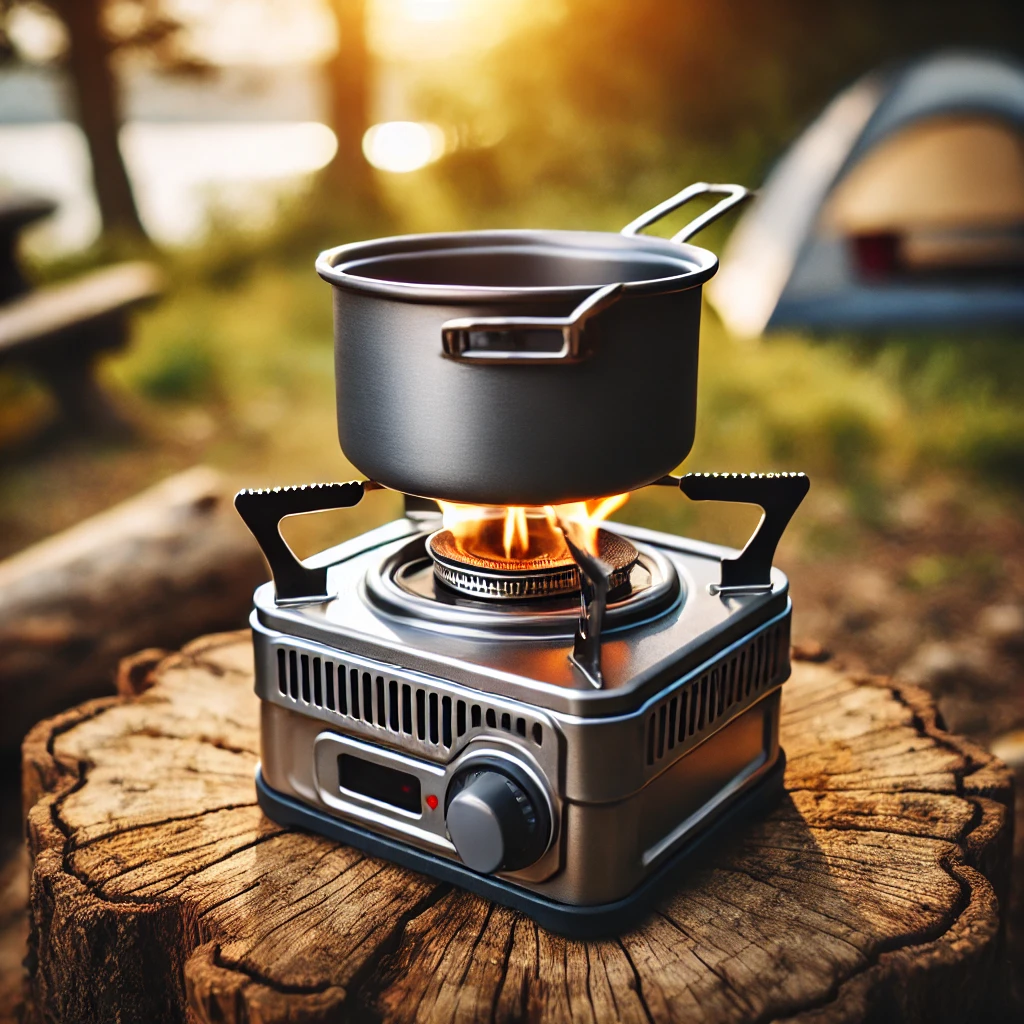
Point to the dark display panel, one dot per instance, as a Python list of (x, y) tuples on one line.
[(390, 786)]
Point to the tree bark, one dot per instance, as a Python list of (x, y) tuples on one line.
[(160, 892), (153, 571), (99, 114), (350, 73)]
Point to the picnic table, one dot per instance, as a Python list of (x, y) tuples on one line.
[(874, 891), (57, 332)]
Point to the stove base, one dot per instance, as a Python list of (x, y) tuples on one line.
[(584, 922)]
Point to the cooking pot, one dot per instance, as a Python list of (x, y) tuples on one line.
[(521, 367)]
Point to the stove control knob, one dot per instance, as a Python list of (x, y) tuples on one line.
[(496, 818)]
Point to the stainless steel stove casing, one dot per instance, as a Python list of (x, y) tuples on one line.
[(686, 722)]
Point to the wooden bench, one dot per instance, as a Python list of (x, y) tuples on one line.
[(875, 890), (58, 331)]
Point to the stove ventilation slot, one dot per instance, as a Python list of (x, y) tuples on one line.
[(416, 714), (716, 694)]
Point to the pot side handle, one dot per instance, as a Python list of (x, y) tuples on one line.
[(479, 339), (734, 195)]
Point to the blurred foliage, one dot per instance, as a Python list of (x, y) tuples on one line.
[(927, 572), (591, 112), (604, 99), (868, 421), (236, 369), (303, 223), (183, 369)]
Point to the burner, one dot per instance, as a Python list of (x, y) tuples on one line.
[(486, 727), (404, 584), (522, 579)]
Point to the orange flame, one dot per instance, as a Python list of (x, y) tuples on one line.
[(516, 533), (587, 516), (525, 533)]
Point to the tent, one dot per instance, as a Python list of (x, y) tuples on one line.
[(902, 205)]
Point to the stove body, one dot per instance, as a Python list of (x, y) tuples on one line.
[(388, 704)]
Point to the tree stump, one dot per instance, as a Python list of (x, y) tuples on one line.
[(161, 893)]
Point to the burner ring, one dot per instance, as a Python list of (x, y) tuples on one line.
[(403, 586), (490, 578)]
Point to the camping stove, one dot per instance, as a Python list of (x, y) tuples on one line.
[(557, 737)]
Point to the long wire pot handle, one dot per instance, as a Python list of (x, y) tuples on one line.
[(485, 340), (734, 195)]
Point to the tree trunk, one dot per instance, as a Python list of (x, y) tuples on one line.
[(99, 114), (160, 892), (350, 74)]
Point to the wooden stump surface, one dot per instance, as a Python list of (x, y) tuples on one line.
[(160, 892)]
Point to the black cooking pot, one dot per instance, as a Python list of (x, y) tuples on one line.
[(521, 367)]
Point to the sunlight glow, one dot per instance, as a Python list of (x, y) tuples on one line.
[(435, 32), (403, 146), (224, 151), (37, 34), (257, 31), (431, 10)]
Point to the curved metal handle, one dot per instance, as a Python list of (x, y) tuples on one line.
[(778, 494), (734, 195), (487, 339), (477, 339), (263, 510)]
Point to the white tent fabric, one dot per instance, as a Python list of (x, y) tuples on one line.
[(901, 205)]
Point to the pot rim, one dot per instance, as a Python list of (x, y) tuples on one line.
[(332, 264)]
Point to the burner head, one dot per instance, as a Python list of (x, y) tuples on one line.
[(546, 575)]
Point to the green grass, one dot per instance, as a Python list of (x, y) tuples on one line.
[(235, 368), (865, 420), (182, 369)]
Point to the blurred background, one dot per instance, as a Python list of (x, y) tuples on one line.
[(866, 327)]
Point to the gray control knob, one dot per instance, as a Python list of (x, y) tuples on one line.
[(496, 818)]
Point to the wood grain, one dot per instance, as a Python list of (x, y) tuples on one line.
[(160, 892), (170, 563)]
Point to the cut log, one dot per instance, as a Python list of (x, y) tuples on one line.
[(160, 892), (171, 563)]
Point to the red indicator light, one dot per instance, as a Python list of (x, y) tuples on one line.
[(432, 802)]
